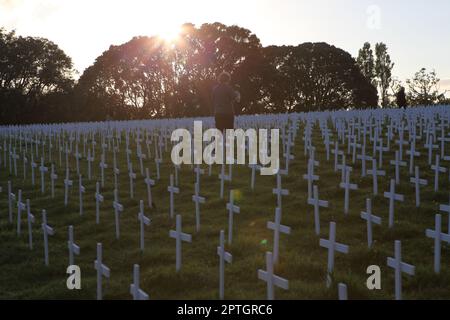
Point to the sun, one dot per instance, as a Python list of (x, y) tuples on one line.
[(169, 32)]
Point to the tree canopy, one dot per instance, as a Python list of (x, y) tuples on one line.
[(148, 77)]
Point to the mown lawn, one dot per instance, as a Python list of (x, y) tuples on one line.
[(23, 274)]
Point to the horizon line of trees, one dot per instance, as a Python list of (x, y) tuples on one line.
[(147, 77)]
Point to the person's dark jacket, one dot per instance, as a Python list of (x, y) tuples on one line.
[(223, 98), (401, 98)]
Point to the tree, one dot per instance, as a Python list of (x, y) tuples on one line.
[(423, 88), (148, 77), (30, 70), (383, 72), (366, 63), (314, 76)]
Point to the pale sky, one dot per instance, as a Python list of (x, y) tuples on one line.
[(417, 32)]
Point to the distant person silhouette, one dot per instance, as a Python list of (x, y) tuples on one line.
[(224, 97), (401, 98)]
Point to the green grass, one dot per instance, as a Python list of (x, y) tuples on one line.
[(23, 274)]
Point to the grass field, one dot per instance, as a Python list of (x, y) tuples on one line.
[(23, 274)]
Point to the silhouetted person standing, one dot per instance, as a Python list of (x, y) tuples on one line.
[(401, 98), (224, 97)]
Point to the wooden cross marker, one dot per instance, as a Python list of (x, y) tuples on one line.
[(30, 221), (270, 278), (47, 231), (438, 237), (179, 236), (98, 199), (277, 227), (67, 183), (135, 291), (118, 208), (232, 209), (418, 182), (197, 199), (20, 207), (332, 247), (437, 169), (317, 203), (370, 218), (392, 196), (143, 221), (74, 249), (149, 183), (399, 267), (223, 257), (102, 271)]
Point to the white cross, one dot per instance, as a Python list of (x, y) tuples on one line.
[(103, 166), (438, 236), (332, 247), (277, 227), (81, 190), (380, 150), (20, 206), (336, 153), (347, 186), (397, 163), (118, 208), (30, 220), (232, 209), (363, 159), (172, 190), (47, 231), (102, 271), (223, 257), (399, 267), (223, 177), (430, 146), (342, 291), (197, 199), (375, 173), (343, 168), (74, 249), (98, 199), (11, 198), (412, 153), (77, 156), (149, 182), (67, 183), (143, 221), (158, 162), (89, 159), (141, 157), (53, 177), (132, 176), (418, 182), (437, 169), (179, 236), (115, 169), (310, 177), (271, 279), (317, 204), (279, 191), (392, 196), (25, 162), (135, 291), (198, 172), (446, 208), (33, 166), (370, 218), (254, 167)]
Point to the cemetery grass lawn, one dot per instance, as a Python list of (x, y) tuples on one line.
[(303, 262)]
